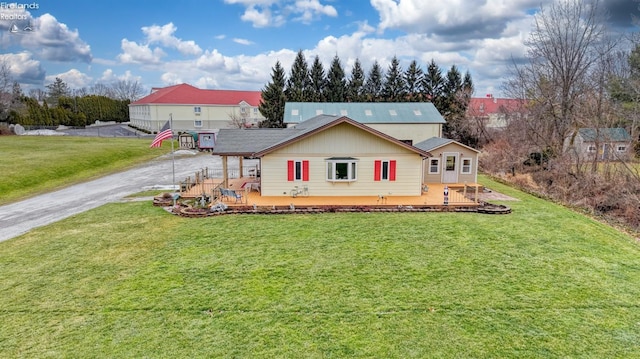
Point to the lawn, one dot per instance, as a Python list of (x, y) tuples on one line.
[(36, 164), (131, 280)]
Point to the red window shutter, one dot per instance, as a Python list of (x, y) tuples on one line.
[(305, 170), (392, 170), (377, 166), (289, 170)]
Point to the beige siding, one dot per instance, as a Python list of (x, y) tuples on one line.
[(462, 152), (343, 141), (184, 116), (416, 132)]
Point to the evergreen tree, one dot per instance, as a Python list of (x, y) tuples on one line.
[(413, 80), (317, 82), (356, 82), (433, 86), (457, 93), (394, 85), (273, 99), (57, 89), (452, 87), (373, 83), (336, 89), (298, 81)]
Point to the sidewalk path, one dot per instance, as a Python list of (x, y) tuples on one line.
[(20, 217)]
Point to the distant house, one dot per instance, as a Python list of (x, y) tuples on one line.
[(194, 109), (410, 122), (338, 156), (600, 143), (449, 161), (495, 113)]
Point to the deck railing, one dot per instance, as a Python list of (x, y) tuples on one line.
[(462, 194), (200, 183), (247, 171)]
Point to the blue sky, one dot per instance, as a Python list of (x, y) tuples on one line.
[(233, 44)]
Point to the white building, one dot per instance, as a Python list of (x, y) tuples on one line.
[(194, 109)]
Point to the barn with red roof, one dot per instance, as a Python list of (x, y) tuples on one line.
[(194, 109)]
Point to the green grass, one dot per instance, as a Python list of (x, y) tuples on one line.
[(35, 164), (130, 280)]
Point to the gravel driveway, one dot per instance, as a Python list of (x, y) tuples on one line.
[(20, 217)]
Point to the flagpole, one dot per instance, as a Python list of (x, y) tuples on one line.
[(173, 154)]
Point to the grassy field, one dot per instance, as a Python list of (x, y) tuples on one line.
[(130, 280), (36, 164)]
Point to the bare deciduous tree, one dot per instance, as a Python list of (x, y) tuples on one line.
[(568, 40), (127, 90), (6, 86)]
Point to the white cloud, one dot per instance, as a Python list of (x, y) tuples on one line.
[(452, 18), (109, 76), (23, 67), (261, 17), (73, 78), (243, 41), (170, 78), (311, 10), (164, 35), (50, 40), (274, 13), (142, 53), (132, 53)]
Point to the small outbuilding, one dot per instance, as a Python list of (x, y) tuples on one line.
[(601, 144), (449, 161)]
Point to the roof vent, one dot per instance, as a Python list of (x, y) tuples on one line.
[(295, 112), (343, 112), (393, 113), (319, 112), (368, 113), (417, 112)]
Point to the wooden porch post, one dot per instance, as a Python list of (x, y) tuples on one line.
[(225, 175), (240, 163)]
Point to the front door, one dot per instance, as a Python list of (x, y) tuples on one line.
[(450, 167)]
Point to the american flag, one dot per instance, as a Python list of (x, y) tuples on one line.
[(164, 134)]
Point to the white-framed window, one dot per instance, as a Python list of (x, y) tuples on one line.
[(591, 148), (621, 148), (466, 166), (384, 170), (434, 166), (197, 110), (342, 169), (297, 170), (197, 123)]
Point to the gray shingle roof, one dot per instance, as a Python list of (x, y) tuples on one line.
[(432, 143), (257, 141), (604, 134), (253, 140), (365, 112), (232, 142), (437, 142)]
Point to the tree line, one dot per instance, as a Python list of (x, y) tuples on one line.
[(577, 73), (450, 92), (60, 105)]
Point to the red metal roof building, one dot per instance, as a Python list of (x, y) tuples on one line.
[(495, 112), (194, 109)]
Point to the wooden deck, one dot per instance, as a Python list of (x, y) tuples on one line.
[(434, 196)]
